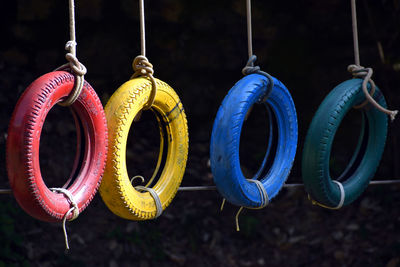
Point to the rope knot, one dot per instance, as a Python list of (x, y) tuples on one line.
[(142, 67), (366, 74), (77, 68), (70, 46), (250, 68), (359, 71)]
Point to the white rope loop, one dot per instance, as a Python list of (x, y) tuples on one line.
[(155, 196), (73, 209), (366, 74), (342, 194), (341, 201)]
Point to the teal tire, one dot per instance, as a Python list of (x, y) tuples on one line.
[(318, 144)]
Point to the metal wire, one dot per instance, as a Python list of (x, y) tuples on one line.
[(292, 185), (213, 187)]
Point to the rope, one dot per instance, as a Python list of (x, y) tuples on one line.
[(73, 209), (341, 201), (142, 67), (73, 65), (249, 31), (250, 68), (142, 28), (355, 32), (364, 73)]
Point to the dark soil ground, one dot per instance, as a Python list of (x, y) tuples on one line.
[(199, 48)]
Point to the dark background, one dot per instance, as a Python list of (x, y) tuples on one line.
[(199, 48)]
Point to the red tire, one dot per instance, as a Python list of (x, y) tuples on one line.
[(23, 142)]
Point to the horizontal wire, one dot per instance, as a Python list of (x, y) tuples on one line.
[(213, 187), (5, 191), (210, 188)]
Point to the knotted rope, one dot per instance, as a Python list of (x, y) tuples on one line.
[(78, 69), (73, 209), (142, 67), (250, 69), (366, 74), (73, 65)]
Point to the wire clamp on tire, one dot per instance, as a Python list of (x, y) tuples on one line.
[(264, 200), (341, 202), (153, 193), (155, 196), (73, 209)]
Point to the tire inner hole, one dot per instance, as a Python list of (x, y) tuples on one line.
[(58, 147), (143, 148), (347, 154), (258, 142)]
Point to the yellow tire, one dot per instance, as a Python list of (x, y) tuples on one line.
[(124, 105)]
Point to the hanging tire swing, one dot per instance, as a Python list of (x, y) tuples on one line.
[(225, 139), (125, 104), (144, 92), (355, 93), (257, 87), (319, 140), (23, 144)]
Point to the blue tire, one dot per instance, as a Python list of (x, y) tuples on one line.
[(225, 139)]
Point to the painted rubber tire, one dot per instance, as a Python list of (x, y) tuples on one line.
[(116, 189), (319, 140), (224, 149), (23, 143)]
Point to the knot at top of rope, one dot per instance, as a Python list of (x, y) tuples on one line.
[(71, 46), (77, 68), (142, 67), (366, 74), (250, 69), (359, 71)]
